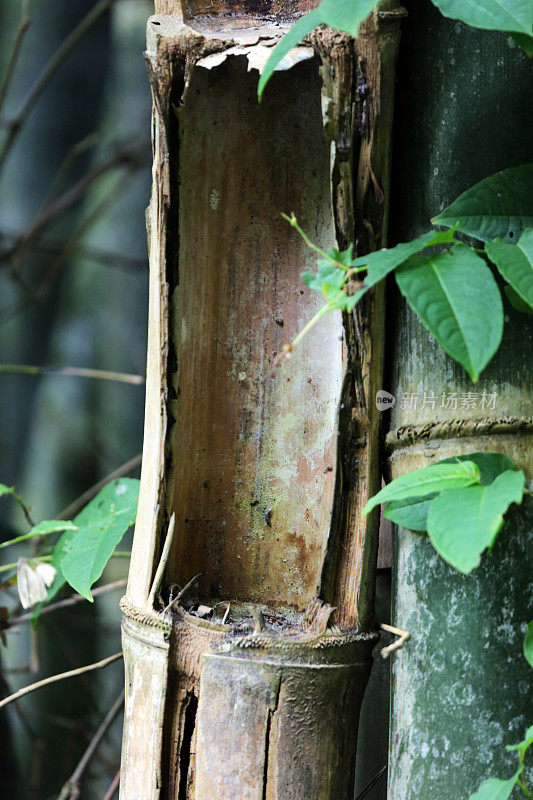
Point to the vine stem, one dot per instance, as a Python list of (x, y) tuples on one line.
[(60, 677), (293, 222), (524, 788), (312, 322)]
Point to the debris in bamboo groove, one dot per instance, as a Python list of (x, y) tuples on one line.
[(174, 601), (317, 616), (257, 614)]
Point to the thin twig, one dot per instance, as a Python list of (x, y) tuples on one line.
[(73, 508), (372, 783), (60, 677), (112, 787), (107, 258), (162, 563), (76, 372), (121, 157), (182, 592), (404, 637), (15, 51), (40, 293), (70, 601), (64, 49), (71, 788), (78, 149)]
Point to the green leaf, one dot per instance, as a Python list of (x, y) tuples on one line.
[(345, 15), (381, 262), (525, 42), (495, 789), (426, 481), (299, 31), (457, 299), (328, 275), (462, 523), (516, 301), (82, 556), (528, 644), (490, 464), (498, 206), (342, 256), (515, 263), (410, 513), (526, 741), (495, 15)]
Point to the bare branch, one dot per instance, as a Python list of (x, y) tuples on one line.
[(112, 787), (70, 601), (106, 258), (60, 677), (49, 71), (78, 149), (15, 51), (71, 788), (125, 156), (41, 292), (76, 372)]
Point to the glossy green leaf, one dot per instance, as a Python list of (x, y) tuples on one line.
[(516, 301), (515, 263), (457, 299), (412, 512), (498, 206), (427, 481), (526, 741), (344, 257), (83, 555), (345, 15), (496, 15), (42, 529), (528, 644), (495, 789), (328, 275), (525, 42), (490, 464), (299, 31), (382, 262), (462, 523)]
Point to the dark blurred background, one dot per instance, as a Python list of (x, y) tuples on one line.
[(74, 183)]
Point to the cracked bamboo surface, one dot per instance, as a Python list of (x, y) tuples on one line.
[(265, 474)]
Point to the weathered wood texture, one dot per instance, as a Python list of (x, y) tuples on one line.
[(246, 9), (460, 687), (264, 470)]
